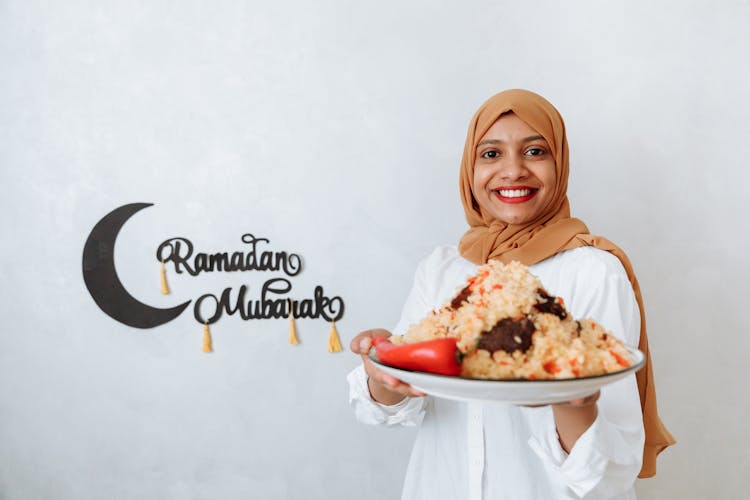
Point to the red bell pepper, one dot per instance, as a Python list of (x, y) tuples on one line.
[(439, 356)]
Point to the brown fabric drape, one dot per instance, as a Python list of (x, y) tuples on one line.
[(552, 232)]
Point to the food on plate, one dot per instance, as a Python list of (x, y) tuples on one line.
[(507, 326)]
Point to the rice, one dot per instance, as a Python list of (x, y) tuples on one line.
[(508, 327)]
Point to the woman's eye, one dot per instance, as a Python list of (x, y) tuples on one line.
[(535, 151), (490, 154)]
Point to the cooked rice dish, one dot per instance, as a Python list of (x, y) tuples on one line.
[(507, 327)]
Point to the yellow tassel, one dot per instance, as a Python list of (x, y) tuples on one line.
[(292, 327), (164, 286), (207, 339), (334, 343)]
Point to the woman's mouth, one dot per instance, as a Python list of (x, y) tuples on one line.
[(515, 194)]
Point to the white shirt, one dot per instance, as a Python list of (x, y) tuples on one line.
[(492, 451)]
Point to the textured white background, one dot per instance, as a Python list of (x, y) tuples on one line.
[(335, 129)]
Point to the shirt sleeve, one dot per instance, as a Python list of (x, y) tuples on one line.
[(409, 411), (606, 459)]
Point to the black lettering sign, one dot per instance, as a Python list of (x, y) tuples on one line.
[(179, 251), (273, 303)]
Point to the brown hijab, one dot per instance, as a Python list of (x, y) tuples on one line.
[(552, 232)]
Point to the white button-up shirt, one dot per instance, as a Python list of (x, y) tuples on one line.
[(493, 451)]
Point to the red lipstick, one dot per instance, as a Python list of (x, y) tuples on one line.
[(515, 199)]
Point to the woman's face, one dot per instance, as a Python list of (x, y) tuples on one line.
[(514, 171)]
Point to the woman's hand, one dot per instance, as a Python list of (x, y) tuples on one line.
[(581, 402), (384, 388), (572, 418)]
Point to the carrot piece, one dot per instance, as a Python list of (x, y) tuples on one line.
[(551, 367), (620, 360)]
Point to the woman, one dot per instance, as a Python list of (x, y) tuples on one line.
[(513, 181)]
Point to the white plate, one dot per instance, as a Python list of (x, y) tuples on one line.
[(517, 392)]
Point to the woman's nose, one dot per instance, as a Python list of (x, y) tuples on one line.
[(513, 168)]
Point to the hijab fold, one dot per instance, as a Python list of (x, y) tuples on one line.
[(552, 232)]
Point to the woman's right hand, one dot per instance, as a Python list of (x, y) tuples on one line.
[(385, 389)]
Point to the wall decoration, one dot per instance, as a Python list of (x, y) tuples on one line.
[(273, 301), (207, 345), (163, 279), (334, 343), (102, 281), (292, 327)]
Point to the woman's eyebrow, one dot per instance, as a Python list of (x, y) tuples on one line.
[(530, 138)]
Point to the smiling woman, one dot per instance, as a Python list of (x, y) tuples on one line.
[(513, 181), (514, 171)]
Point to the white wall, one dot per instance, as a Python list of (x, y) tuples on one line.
[(335, 129)]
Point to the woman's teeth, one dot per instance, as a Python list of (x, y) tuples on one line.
[(514, 193)]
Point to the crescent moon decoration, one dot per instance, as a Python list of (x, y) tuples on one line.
[(101, 277)]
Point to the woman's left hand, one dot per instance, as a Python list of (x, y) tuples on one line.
[(573, 418), (577, 403)]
